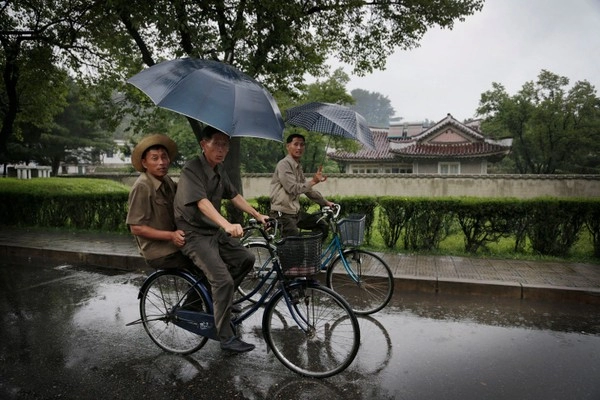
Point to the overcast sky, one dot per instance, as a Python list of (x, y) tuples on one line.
[(509, 42)]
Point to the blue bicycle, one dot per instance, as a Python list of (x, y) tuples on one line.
[(361, 277)]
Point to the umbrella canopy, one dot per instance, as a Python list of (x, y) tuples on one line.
[(332, 119), (214, 93)]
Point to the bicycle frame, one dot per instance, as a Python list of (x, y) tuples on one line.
[(202, 323), (280, 279), (335, 247)]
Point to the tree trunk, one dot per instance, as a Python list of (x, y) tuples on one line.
[(232, 166), (11, 77)]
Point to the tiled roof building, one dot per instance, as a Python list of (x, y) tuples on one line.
[(447, 147)]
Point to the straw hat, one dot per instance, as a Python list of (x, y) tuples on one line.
[(149, 141)]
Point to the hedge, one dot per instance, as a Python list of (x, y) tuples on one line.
[(552, 226), (58, 202)]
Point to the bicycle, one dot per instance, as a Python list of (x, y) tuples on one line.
[(310, 328), (361, 277)]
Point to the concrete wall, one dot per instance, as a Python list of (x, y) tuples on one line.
[(517, 186), (414, 185)]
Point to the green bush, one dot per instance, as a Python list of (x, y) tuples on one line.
[(484, 222), (554, 225), (394, 213), (60, 202), (592, 223), (429, 222)]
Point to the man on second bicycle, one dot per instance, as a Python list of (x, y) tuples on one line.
[(288, 184)]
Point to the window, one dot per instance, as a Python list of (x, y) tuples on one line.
[(449, 168), (382, 169)]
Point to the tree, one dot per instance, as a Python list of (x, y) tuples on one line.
[(555, 129), (76, 134), (37, 39), (278, 44), (41, 94), (375, 107)]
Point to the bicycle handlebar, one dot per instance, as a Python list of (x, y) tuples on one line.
[(254, 225), (334, 210)]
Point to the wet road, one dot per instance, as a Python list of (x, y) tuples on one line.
[(64, 335)]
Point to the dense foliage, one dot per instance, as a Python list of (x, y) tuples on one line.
[(276, 43), (555, 129)]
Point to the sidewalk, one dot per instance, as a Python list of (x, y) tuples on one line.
[(430, 274)]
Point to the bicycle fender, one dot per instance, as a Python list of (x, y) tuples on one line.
[(177, 272)]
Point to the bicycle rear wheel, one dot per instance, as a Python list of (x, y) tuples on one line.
[(262, 267), (311, 348), (161, 295), (368, 287)]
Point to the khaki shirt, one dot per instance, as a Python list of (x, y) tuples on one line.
[(198, 180), (287, 184), (151, 204)]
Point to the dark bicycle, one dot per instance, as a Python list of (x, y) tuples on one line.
[(310, 328)]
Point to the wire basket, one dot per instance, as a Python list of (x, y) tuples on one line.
[(352, 229), (300, 255)]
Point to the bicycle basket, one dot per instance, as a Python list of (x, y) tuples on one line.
[(300, 255), (352, 230)]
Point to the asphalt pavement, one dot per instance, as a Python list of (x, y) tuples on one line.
[(562, 281)]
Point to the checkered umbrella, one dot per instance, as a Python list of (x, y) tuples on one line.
[(331, 119)]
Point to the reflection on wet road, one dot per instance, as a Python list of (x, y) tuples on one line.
[(69, 326)]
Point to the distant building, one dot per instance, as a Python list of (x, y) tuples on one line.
[(447, 147), (112, 158), (116, 157)]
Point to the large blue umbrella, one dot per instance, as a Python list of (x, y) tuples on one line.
[(214, 93), (331, 119)]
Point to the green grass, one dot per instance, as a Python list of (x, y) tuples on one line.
[(453, 245), (54, 186)]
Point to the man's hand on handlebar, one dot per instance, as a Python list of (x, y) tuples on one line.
[(332, 210), (263, 219)]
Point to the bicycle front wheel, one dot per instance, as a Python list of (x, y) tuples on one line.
[(262, 267), (368, 284), (301, 334), (162, 294)]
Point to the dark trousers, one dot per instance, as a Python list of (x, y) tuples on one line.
[(225, 263), (290, 224), (175, 260)]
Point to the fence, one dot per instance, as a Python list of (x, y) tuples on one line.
[(414, 185)]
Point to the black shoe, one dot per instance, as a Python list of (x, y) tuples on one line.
[(236, 345), (236, 308)]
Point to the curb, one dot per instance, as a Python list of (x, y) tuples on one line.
[(109, 261), (514, 290), (405, 283)]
